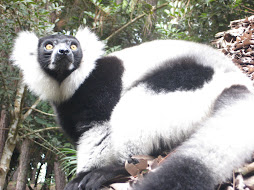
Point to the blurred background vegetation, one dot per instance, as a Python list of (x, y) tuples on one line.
[(32, 146)]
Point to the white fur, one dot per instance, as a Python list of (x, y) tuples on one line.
[(143, 58), (25, 57), (140, 112), (178, 114), (89, 153), (225, 141)]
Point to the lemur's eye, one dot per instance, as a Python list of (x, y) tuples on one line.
[(49, 47), (73, 47)]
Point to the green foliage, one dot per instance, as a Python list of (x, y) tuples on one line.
[(207, 18), (30, 15), (69, 161), (200, 20)]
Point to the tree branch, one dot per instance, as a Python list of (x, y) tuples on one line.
[(33, 108), (134, 20), (40, 130), (44, 113), (29, 111), (43, 139), (12, 134)]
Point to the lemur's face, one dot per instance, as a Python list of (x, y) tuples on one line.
[(59, 55)]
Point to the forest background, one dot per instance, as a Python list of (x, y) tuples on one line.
[(34, 153)]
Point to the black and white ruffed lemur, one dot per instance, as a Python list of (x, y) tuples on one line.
[(143, 100)]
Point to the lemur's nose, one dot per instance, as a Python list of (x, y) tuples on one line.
[(63, 51)]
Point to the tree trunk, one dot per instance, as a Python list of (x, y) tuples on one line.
[(15, 174), (3, 127), (59, 176), (12, 135), (23, 165)]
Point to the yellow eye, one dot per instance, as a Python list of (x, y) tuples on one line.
[(73, 47), (49, 47)]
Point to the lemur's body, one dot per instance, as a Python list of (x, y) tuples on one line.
[(141, 101)]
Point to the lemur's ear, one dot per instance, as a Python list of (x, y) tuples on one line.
[(88, 40), (24, 54)]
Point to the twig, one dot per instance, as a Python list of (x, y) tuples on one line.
[(252, 10), (40, 130), (134, 20), (31, 109), (42, 112), (5, 129), (40, 144), (17, 18), (40, 137)]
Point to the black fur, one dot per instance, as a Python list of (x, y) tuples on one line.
[(180, 74), (96, 178), (178, 173), (229, 95), (94, 100), (163, 147)]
